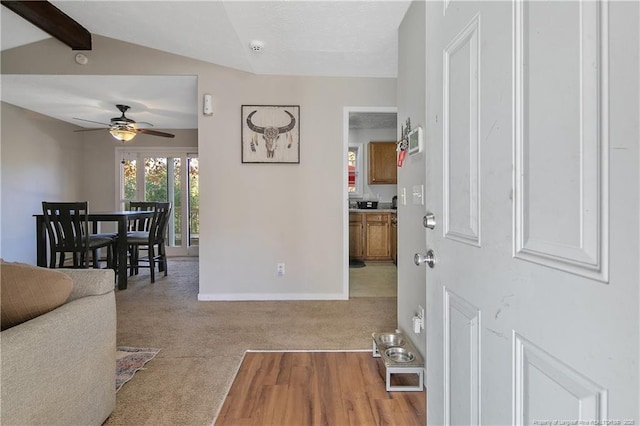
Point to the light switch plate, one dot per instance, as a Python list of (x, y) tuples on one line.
[(418, 192)]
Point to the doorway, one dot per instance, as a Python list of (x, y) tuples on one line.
[(367, 278)]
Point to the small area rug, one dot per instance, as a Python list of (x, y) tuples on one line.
[(355, 263), (129, 360)]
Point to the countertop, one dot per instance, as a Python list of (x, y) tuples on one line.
[(373, 210)]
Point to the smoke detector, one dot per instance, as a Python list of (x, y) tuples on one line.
[(256, 45)]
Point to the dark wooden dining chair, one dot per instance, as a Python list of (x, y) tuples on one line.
[(139, 225), (143, 223), (151, 241), (67, 226)]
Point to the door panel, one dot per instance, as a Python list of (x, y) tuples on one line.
[(461, 139), (462, 361), (532, 164), (554, 65)]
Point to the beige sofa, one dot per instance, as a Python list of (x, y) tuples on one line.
[(59, 368)]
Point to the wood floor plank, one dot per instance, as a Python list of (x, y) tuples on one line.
[(316, 388)]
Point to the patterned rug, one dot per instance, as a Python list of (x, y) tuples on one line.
[(129, 360)]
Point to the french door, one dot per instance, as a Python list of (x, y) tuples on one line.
[(164, 175)]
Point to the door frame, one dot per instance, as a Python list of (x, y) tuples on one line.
[(345, 192)]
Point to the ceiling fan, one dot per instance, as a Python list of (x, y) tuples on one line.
[(125, 129)]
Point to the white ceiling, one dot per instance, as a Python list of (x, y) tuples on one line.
[(314, 38)]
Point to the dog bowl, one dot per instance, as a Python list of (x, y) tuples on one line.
[(399, 355), (391, 339)]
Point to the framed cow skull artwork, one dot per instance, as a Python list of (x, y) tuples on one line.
[(271, 134)]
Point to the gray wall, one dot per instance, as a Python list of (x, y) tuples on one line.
[(411, 233), (42, 160), (252, 216)]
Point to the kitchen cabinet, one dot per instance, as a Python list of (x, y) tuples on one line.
[(377, 236), (356, 236), (370, 236), (394, 238), (382, 163)]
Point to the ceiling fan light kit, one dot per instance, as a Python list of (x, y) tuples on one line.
[(123, 132)]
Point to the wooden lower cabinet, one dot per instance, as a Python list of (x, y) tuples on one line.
[(370, 236), (356, 236), (377, 238)]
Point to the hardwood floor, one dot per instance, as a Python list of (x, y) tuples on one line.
[(316, 388)]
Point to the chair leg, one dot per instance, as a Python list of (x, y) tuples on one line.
[(96, 262), (110, 256), (164, 259), (152, 266), (161, 265)]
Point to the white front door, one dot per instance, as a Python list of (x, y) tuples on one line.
[(532, 173)]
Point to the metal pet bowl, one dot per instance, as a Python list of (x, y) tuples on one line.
[(399, 355), (391, 339)]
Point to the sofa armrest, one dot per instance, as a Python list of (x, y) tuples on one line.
[(59, 368), (90, 282)]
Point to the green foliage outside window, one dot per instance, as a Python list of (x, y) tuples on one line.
[(156, 187)]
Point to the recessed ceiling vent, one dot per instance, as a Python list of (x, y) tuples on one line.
[(256, 45)]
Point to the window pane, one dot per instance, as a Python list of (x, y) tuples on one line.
[(155, 179), (129, 172)]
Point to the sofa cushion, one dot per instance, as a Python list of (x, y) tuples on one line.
[(29, 291)]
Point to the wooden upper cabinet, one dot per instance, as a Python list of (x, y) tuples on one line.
[(382, 163)]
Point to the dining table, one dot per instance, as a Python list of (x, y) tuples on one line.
[(122, 219)]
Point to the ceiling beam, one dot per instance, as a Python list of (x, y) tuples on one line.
[(52, 20)]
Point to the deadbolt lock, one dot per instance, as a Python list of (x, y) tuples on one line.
[(429, 220)]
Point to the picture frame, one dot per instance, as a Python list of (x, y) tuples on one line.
[(415, 141), (270, 134)]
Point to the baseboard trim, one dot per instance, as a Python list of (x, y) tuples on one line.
[(236, 297)]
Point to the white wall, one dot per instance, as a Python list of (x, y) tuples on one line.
[(362, 137), (42, 160), (252, 215), (411, 233)]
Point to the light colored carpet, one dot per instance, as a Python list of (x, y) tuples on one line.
[(376, 279), (203, 342)]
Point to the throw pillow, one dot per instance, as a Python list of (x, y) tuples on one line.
[(28, 291)]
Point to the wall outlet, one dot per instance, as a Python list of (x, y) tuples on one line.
[(280, 269)]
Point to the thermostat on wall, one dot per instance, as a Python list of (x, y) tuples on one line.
[(415, 141)]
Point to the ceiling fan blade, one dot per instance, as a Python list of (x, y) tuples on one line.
[(88, 130), (156, 133), (90, 121)]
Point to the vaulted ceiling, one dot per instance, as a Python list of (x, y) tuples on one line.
[(308, 38)]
